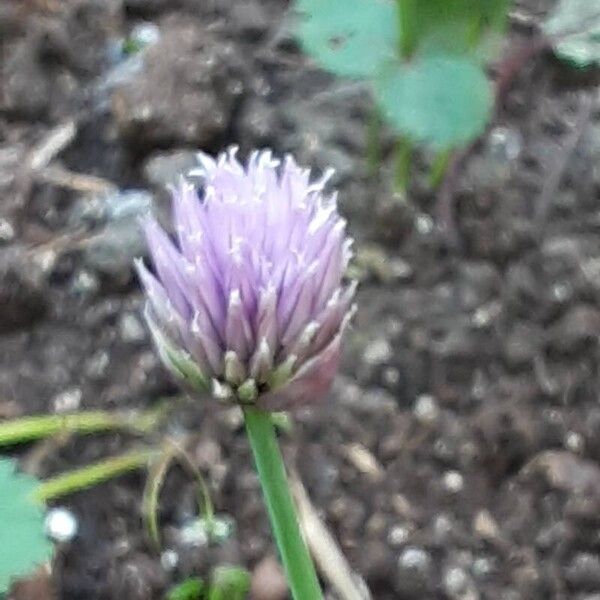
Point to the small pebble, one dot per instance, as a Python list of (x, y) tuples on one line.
[(442, 528), (453, 482), (268, 581), (455, 581), (130, 328), (426, 409), (7, 231), (458, 585), (145, 34), (415, 558), (424, 224), (378, 352), (84, 283), (391, 376), (398, 535), (169, 560), (61, 525), (482, 567), (574, 442), (97, 364), (485, 525), (67, 401), (505, 144)]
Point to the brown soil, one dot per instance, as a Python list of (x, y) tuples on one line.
[(471, 376)]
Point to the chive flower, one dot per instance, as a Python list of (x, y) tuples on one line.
[(247, 299)]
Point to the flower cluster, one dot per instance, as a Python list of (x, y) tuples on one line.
[(247, 299)]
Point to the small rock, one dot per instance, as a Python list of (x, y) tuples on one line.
[(552, 536), (193, 534), (84, 284), (67, 401), (426, 410), (443, 527), (144, 34), (564, 471), (165, 168), (169, 559), (61, 525), (485, 526), (505, 144), (99, 210), (574, 442), (130, 328), (378, 352), (268, 581), (7, 231), (458, 585), (453, 482), (97, 365), (424, 224), (398, 535), (364, 461), (112, 251), (414, 575), (193, 103), (483, 567)]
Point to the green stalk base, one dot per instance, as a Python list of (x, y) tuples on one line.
[(298, 565)]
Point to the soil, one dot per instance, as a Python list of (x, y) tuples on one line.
[(458, 456)]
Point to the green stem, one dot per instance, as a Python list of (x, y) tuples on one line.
[(79, 479), (403, 162), (407, 27), (29, 429), (438, 168), (271, 472)]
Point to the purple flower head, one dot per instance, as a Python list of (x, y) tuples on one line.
[(247, 300)]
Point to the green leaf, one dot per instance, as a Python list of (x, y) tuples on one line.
[(229, 583), (23, 543), (444, 101), (576, 25), (456, 26), (351, 38), (190, 589)]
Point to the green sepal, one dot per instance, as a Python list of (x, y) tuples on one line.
[(177, 360), (282, 374), (247, 393)]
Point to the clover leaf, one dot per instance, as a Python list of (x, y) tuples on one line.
[(23, 544)]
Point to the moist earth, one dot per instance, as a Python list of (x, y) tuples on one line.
[(458, 456)]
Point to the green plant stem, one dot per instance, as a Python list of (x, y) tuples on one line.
[(403, 162), (407, 26), (28, 429), (438, 168), (299, 567), (79, 479)]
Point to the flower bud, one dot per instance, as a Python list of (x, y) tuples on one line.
[(247, 298)]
